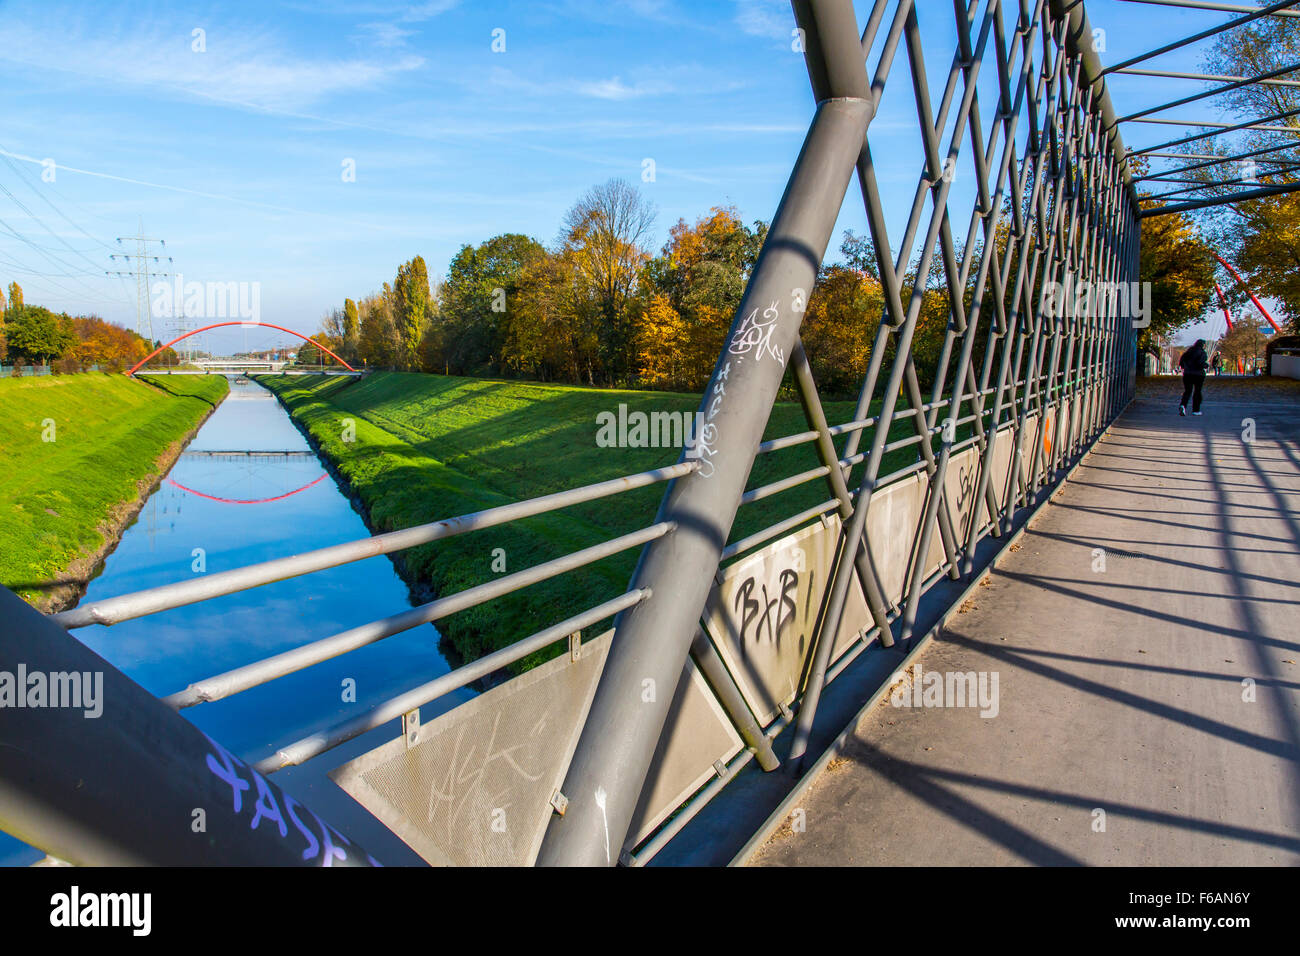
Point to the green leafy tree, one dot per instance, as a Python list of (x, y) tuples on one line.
[(478, 302), (1180, 267), (351, 330), (35, 333), (376, 338), (414, 307), (605, 234), (309, 354), (688, 296)]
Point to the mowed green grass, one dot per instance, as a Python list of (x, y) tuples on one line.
[(108, 433), (429, 447)]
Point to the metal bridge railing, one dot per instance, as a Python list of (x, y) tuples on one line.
[(1053, 204)]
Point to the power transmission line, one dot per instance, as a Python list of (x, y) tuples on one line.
[(140, 260)]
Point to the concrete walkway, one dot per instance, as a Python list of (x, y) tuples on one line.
[(1159, 697)]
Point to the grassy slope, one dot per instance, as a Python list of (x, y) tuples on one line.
[(110, 431), (430, 447)]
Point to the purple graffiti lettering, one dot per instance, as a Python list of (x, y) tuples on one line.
[(332, 850), (226, 771), (266, 806), (313, 845)]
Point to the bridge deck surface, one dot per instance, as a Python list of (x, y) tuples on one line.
[(1119, 690)]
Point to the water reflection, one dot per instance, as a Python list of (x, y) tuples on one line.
[(219, 511)]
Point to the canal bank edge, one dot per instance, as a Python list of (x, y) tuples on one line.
[(82, 570), (419, 591)]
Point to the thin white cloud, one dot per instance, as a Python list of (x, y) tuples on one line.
[(770, 19), (387, 36), (674, 81), (420, 12), (242, 66)]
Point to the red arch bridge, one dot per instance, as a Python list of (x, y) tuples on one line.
[(220, 325)]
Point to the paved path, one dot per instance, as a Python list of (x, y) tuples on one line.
[(1120, 691)]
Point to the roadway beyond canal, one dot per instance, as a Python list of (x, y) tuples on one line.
[(269, 496)]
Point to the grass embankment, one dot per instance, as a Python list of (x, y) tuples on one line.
[(78, 452), (429, 447)]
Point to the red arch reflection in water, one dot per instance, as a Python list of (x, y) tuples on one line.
[(248, 501)]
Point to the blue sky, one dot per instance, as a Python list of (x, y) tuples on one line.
[(235, 154)]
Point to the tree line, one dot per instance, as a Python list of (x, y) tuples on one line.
[(598, 307), (33, 335)]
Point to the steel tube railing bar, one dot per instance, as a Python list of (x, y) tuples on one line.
[(789, 524), (1210, 5), (1244, 196), (260, 672), (803, 438), (165, 597), (1219, 130), (715, 673), (1227, 88), (912, 469), (1205, 77), (902, 369), (1183, 179), (1217, 160), (783, 484), (1220, 184), (908, 441), (1204, 34), (1205, 124), (835, 472), (787, 441), (314, 745)]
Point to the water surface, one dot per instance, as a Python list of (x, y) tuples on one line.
[(214, 512)]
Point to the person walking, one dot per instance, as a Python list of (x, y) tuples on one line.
[(1193, 362), (1218, 364)]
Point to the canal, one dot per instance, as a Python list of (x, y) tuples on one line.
[(246, 489)]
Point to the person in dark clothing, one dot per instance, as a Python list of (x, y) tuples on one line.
[(1193, 363), (1218, 363)]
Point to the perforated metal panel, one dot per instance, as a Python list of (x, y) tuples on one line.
[(475, 787), (762, 614), (696, 735)]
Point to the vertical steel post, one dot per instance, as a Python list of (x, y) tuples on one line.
[(816, 416), (709, 661), (651, 641)]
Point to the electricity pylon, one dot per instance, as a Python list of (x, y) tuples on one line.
[(141, 271)]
